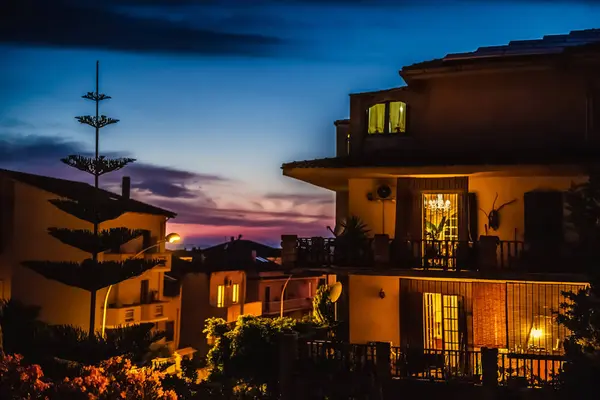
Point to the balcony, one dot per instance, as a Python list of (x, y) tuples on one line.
[(165, 259), (154, 311), (233, 311), (487, 254), (289, 305)]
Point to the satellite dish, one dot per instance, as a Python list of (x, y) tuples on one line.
[(335, 291), (384, 191)]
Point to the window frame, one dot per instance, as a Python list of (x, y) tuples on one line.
[(386, 122), (220, 296), (235, 293)]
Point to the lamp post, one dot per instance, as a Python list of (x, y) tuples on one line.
[(282, 294), (170, 238)]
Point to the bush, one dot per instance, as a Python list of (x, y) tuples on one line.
[(244, 357), (115, 378)]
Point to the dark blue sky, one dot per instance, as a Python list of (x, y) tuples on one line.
[(214, 95)]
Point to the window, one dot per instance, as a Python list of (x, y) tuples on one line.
[(129, 316), (387, 118), (235, 294), (221, 296)]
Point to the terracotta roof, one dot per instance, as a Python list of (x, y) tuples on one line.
[(80, 191), (548, 45), (426, 158)]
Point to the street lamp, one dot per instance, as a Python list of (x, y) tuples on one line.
[(170, 238)]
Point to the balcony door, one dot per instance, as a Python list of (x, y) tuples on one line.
[(440, 220), (441, 322)]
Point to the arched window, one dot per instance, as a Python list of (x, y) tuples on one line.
[(388, 117)]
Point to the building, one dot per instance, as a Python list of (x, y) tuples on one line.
[(460, 176), (236, 278), (25, 216)]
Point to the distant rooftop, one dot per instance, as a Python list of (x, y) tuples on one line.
[(549, 44)]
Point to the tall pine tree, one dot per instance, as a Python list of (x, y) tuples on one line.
[(90, 274)]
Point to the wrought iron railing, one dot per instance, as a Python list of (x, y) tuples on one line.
[(437, 365), (338, 355), (529, 369), (423, 254), (522, 369)]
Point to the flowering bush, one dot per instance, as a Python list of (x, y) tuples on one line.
[(18, 381), (115, 378)]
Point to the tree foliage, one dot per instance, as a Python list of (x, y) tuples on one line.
[(323, 307), (245, 354), (581, 310)]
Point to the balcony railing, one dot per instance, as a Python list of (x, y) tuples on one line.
[(524, 369), (273, 307), (165, 258), (454, 255)]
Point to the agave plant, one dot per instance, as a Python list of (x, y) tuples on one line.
[(353, 227)]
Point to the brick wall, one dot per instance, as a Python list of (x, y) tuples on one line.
[(489, 314)]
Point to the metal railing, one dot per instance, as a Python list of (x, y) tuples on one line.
[(423, 254), (521, 369), (338, 356), (288, 305), (526, 369), (437, 365)]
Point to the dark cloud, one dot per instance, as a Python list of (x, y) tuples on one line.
[(41, 154), (28, 149), (90, 24), (191, 212)]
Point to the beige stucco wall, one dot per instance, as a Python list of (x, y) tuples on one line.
[(219, 278), (509, 188), (373, 213), (62, 304), (372, 318)]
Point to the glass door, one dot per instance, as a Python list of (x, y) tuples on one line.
[(440, 229)]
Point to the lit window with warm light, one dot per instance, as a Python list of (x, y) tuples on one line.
[(235, 293), (221, 296), (385, 118)]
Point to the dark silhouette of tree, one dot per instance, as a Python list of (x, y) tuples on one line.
[(581, 310), (90, 274)]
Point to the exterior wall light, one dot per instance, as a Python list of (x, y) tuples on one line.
[(382, 294)]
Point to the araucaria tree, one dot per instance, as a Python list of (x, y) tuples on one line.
[(97, 207)]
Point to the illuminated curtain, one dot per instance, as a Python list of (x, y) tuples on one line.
[(377, 118), (397, 117)]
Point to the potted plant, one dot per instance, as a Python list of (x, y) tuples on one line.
[(351, 240)]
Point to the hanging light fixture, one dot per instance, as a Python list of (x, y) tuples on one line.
[(438, 204)]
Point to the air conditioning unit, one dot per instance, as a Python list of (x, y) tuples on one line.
[(383, 192)]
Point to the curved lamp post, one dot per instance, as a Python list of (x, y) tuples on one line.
[(170, 238), (283, 294)]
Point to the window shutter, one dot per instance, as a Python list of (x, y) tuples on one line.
[(412, 320), (544, 215), (473, 216)]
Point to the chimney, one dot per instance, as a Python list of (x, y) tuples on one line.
[(126, 187)]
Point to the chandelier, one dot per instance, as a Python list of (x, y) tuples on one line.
[(438, 204)]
